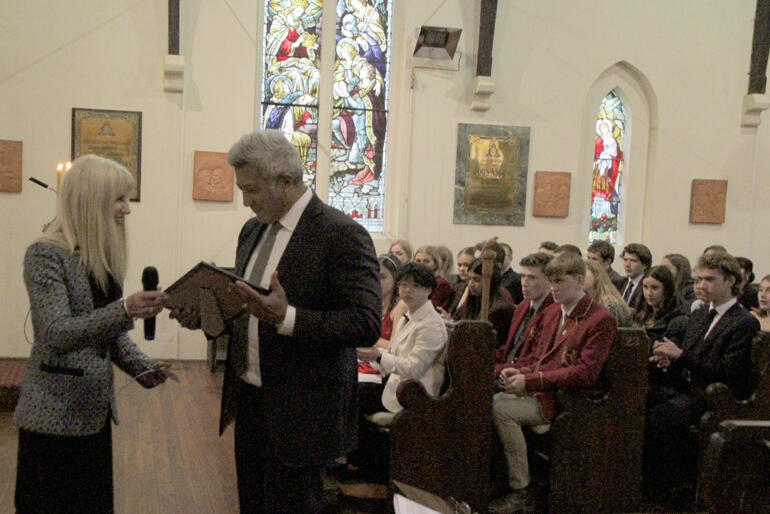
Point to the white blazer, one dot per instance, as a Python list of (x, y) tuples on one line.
[(417, 351)]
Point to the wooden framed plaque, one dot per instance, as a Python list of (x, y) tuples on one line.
[(116, 135), (10, 166), (708, 199), (551, 198), (212, 177)]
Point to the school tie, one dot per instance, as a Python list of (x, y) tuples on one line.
[(520, 333), (627, 292), (707, 322)]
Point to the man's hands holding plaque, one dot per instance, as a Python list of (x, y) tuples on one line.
[(270, 308)]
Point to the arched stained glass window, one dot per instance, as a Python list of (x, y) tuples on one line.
[(607, 184), (360, 76)]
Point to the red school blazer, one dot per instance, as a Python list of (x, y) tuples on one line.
[(573, 357)]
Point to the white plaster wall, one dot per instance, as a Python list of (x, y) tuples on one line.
[(547, 57)]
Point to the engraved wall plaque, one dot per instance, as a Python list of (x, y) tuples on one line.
[(551, 198), (707, 201), (10, 166), (491, 174), (212, 177), (115, 135)]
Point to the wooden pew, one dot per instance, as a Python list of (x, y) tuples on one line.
[(722, 406), (443, 446), (595, 462), (736, 462)]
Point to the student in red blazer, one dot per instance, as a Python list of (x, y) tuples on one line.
[(537, 295), (567, 347)]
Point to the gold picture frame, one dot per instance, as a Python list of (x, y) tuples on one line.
[(115, 135)]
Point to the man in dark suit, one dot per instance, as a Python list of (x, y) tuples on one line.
[(290, 377), (566, 348), (537, 296), (604, 253), (715, 348), (637, 259), (509, 279)]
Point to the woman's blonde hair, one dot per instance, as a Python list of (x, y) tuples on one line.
[(85, 217), (605, 291)]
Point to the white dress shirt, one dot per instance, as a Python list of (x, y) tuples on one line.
[(288, 223), (721, 309)]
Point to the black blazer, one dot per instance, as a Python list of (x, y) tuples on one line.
[(725, 355), (616, 278), (330, 273), (512, 282), (636, 296)]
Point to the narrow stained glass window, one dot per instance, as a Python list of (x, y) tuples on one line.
[(359, 116), (607, 184), (292, 76)]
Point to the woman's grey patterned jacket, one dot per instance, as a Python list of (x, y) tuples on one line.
[(68, 386)]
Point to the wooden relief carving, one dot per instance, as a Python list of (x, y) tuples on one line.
[(551, 198), (707, 201), (10, 166), (212, 177)]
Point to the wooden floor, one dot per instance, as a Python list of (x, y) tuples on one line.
[(168, 456)]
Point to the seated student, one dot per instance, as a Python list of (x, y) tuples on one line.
[(459, 292), (604, 253), (500, 306), (548, 247), (679, 265), (637, 258), (417, 351), (509, 278), (567, 248), (711, 250), (715, 348), (537, 296), (392, 309), (601, 289), (748, 297), (567, 348), (762, 312), (446, 264), (417, 348), (429, 257), (401, 249), (659, 305)]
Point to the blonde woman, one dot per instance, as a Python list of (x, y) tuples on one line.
[(599, 286), (74, 277)]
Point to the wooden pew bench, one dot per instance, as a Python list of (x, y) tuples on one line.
[(443, 446)]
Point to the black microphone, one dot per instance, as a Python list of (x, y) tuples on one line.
[(149, 283)]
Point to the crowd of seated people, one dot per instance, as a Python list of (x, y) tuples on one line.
[(556, 319)]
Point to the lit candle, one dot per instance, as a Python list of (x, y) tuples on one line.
[(59, 170)]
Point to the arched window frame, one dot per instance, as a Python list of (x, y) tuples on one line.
[(640, 105)]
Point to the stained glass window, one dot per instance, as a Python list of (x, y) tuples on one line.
[(359, 116), (291, 75), (607, 184), (360, 75)]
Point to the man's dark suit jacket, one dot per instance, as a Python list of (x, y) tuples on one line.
[(723, 356), (616, 278), (501, 354), (636, 296), (330, 273), (512, 282)]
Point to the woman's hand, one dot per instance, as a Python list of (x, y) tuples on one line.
[(145, 304), (157, 376), (369, 353)]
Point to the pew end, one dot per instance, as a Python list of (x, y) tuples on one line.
[(443, 445)]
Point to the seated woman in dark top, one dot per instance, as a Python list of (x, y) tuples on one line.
[(659, 304), (500, 302), (749, 296), (459, 294), (428, 256), (680, 268)]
